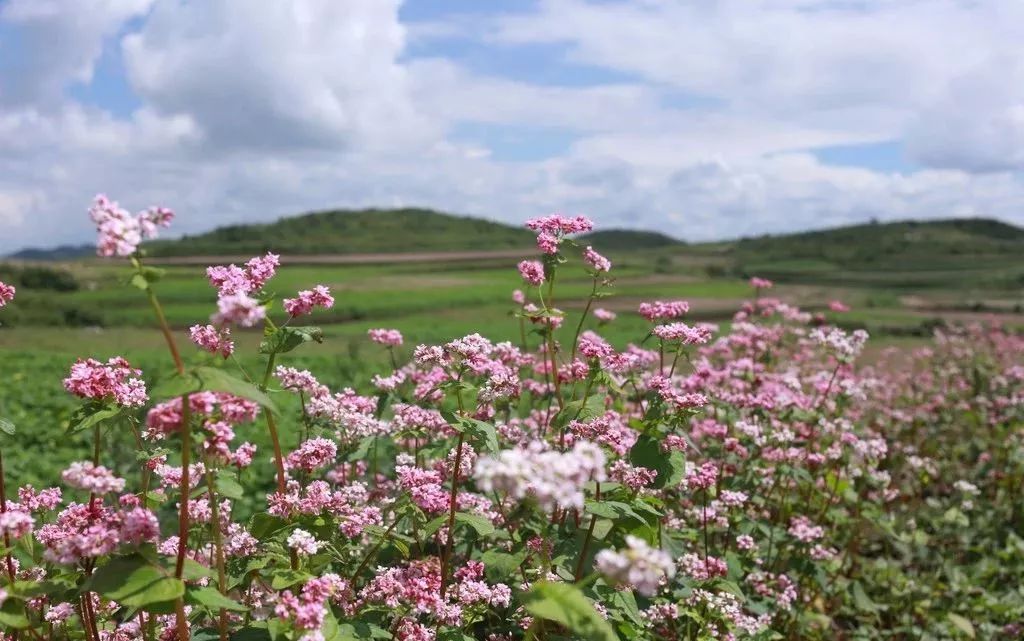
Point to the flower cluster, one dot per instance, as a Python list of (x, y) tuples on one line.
[(113, 380), (120, 233)]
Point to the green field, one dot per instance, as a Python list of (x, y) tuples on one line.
[(86, 308)]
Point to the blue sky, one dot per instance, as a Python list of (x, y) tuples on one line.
[(703, 119)]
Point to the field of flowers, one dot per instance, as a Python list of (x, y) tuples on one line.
[(701, 483)]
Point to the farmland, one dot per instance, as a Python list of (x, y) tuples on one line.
[(875, 568)]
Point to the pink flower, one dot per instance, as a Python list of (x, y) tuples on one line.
[(304, 303), (518, 297), (604, 315), (838, 306), (311, 454), (83, 475), (664, 309), (598, 262), (389, 337), (213, 340), (551, 230), (6, 293), (761, 283), (95, 380), (532, 272), (239, 309), (231, 279), (120, 233)]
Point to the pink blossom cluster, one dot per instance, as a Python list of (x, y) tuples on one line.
[(387, 337), (307, 300), (212, 339), (120, 233), (661, 310), (111, 380), (552, 229), (548, 476), (532, 272), (6, 293), (638, 566), (596, 261)]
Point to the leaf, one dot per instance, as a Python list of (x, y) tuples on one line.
[(176, 385), (861, 600), (6, 427), (134, 582), (483, 433), (227, 486), (434, 525), (500, 565), (217, 380), (146, 276), (12, 614), (647, 453), (564, 604), (90, 414), (285, 339), (213, 599), (482, 525), (287, 578), (579, 410), (961, 624), (194, 570), (250, 633)]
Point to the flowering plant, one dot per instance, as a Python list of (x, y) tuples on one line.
[(703, 483)]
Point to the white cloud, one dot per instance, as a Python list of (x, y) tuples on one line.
[(248, 115), (61, 42), (290, 74)]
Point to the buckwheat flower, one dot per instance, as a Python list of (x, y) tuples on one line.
[(120, 233), (604, 315), (550, 477), (845, 347), (532, 272), (213, 340), (802, 529), (140, 526), (428, 354), (838, 306), (745, 542), (16, 523), (319, 296), (761, 283), (388, 337), (683, 333), (299, 380), (518, 297), (663, 309), (238, 309), (6, 293), (596, 261), (231, 279), (634, 477), (59, 613), (593, 346), (638, 566), (92, 478), (95, 380), (303, 542), (312, 454)]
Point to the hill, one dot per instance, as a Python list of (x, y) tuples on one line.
[(908, 251), (352, 232), (62, 252), (626, 239)]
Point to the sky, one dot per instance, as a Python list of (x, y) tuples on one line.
[(701, 119)]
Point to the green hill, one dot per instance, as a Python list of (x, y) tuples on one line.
[(912, 252), (625, 239), (352, 232)]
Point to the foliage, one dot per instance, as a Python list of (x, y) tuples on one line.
[(749, 481)]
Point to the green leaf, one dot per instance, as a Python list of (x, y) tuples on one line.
[(500, 565), (134, 582), (564, 604), (146, 276), (227, 486), (579, 410), (212, 599), (861, 600), (961, 624), (217, 380), (12, 614), (483, 433), (176, 385), (90, 414), (482, 525), (434, 525), (670, 468), (251, 633), (194, 570), (6, 427), (285, 339), (287, 578)]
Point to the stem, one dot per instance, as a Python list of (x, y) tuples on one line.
[(179, 568), (590, 533), (446, 559), (583, 317), (366, 559), (3, 509), (166, 330), (272, 427), (218, 547)]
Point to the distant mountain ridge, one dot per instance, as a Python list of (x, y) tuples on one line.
[(382, 231)]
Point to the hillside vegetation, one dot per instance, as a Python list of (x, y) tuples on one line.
[(352, 232)]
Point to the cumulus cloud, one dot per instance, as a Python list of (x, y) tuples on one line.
[(698, 119)]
